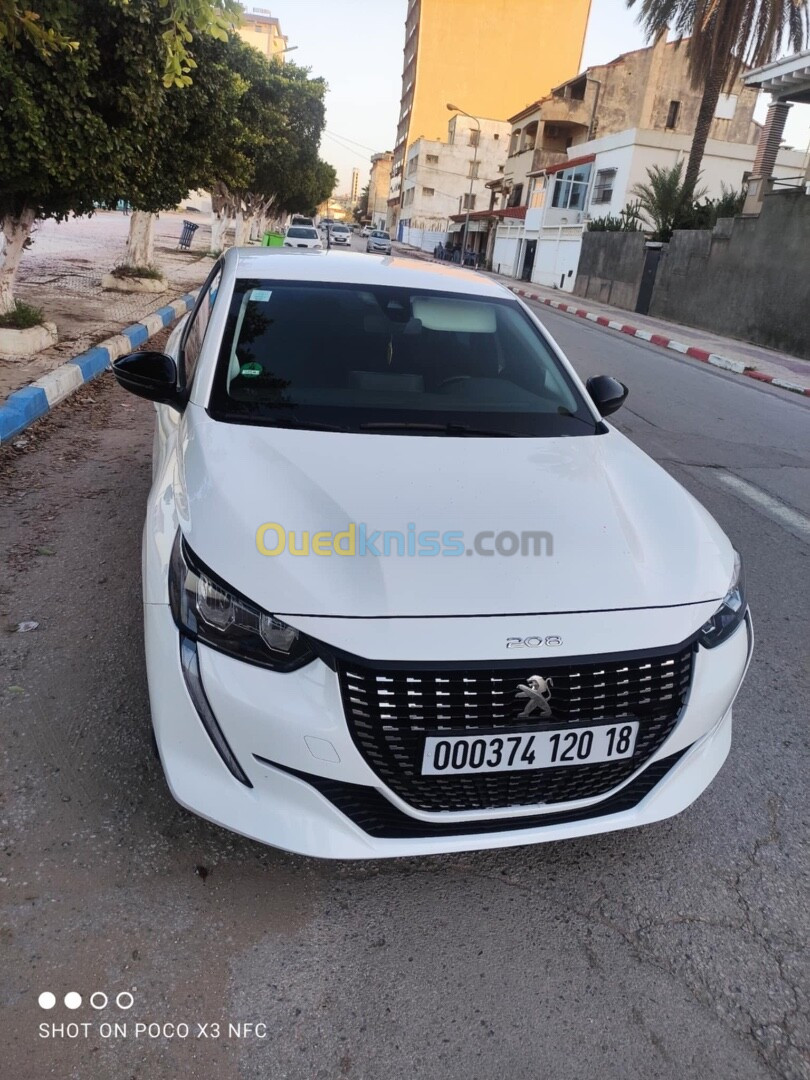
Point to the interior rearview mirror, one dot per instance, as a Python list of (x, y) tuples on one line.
[(151, 375), (608, 393)]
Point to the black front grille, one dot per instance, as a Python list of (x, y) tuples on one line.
[(390, 711), (374, 814)]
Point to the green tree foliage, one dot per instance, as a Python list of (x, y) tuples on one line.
[(43, 27), (627, 220), (724, 35), (661, 199), (279, 124), (360, 211)]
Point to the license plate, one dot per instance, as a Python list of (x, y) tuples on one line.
[(457, 754)]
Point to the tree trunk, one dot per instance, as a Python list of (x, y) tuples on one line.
[(240, 228), (219, 224), (141, 240), (15, 232), (708, 107)]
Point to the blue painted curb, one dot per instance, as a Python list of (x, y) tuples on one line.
[(24, 406)]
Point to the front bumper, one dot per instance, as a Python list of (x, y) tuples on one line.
[(289, 734)]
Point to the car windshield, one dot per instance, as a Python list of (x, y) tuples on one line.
[(381, 235), (340, 228), (300, 232), (392, 360)]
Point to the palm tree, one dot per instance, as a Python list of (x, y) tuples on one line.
[(724, 36), (661, 199)]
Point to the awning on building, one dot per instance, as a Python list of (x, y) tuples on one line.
[(787, 79), (586, 159)]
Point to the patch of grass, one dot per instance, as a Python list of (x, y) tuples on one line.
[(22, 317), (136, 272)]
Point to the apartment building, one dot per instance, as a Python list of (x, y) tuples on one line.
[(378, 182), (263, 31), (446, 177), (485, 56)]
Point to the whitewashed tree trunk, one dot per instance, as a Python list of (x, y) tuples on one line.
[(219, 223), (16, 231), (141, 240), (241, 226)]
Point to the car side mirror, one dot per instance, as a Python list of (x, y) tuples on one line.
[(608, 394), (150, 375)]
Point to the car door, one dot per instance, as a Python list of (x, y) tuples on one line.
[(184, 345)]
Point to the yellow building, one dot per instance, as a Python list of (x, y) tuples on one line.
[(490, 57), (263, 31)]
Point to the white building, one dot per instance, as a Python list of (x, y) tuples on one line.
[(438, 176), (597, 180)]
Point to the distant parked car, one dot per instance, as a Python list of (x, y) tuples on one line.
[(366, 230), (379, 242), (302, 236), (340, 234), (298, 219)]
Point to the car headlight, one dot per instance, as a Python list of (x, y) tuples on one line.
[(730, 613), (207, 610)]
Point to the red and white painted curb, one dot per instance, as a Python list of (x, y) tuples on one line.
[(703, 355)]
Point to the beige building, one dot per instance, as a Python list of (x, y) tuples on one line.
[(648, 90), (261, 30), (378, 182), (485, 56), (577, 154)]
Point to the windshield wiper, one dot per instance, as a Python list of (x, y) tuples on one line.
[(443, 429), (294, 422)]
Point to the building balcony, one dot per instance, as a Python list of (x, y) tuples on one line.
[(562, 110), (544, 157)]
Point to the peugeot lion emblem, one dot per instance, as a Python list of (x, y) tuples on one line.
[(537, 692)]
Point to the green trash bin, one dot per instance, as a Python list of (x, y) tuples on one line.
[(272, 240)]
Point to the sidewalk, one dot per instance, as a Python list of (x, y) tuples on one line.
[(742, 357), (61, 273)]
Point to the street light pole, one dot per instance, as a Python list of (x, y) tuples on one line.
[(455, 108)]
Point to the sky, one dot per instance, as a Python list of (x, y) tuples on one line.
[(357, 45)]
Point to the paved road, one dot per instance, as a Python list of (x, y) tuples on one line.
[(672, 952)]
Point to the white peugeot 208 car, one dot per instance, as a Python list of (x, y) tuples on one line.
[(405, 590)]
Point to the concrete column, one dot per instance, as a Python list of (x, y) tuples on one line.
[(768, 148)]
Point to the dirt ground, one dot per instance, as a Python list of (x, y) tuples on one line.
[(61, 273)]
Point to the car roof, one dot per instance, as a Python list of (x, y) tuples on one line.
[(356, 268)]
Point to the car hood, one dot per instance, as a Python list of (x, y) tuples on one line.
[(623, 533)]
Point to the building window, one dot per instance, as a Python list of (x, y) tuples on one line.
[(496, 136), (412, 164), (468, 203), (516, 195), (603, 186), (672, 115), (514, 141), (428, 191), (473, 170), (571, 188), (432, 159), (475, 134)]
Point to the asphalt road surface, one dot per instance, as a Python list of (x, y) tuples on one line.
[(667, 953)]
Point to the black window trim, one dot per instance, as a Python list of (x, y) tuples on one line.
[(182, 382)]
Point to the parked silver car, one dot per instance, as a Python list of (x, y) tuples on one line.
[(379, 242)]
